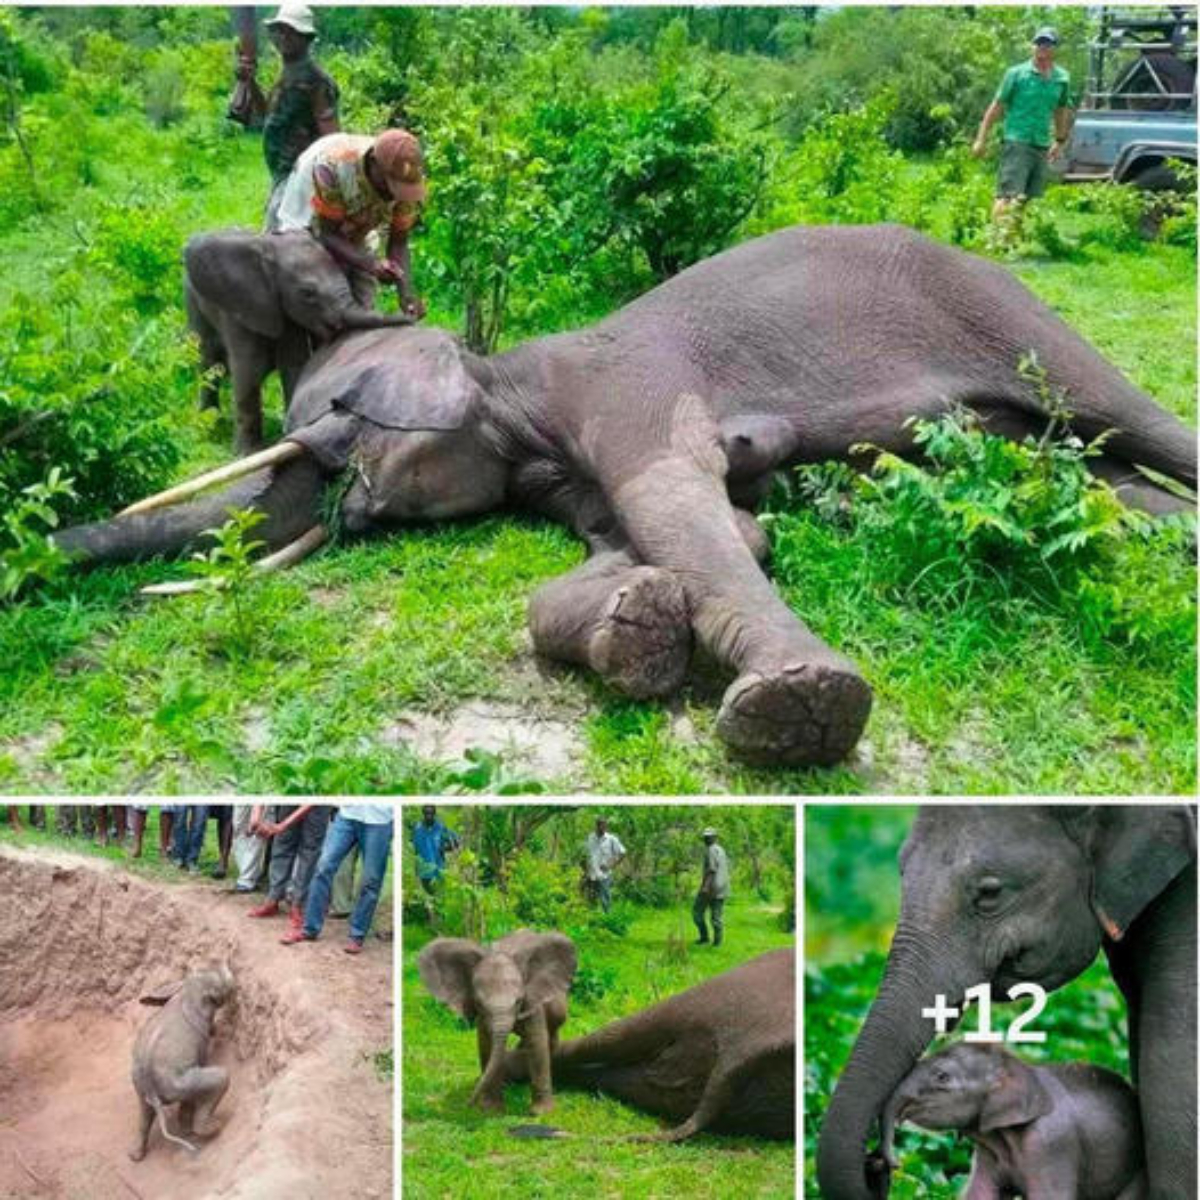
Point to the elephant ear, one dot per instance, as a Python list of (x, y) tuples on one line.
[(1016, 1097), (160, 995), (548, 967), (234, 271), (445, 966), (409, 378), (1136, 851)]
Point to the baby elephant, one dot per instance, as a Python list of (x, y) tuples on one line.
[(170, 1053), (1069, 1131)]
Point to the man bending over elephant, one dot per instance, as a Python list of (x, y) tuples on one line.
[(346, 187)]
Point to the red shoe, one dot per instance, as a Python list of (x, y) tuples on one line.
[(268, 908), (353, 946), (297, 935), (295, 929)]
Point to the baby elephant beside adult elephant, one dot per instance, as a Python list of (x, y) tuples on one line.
[(653, 433), (170, 1058), (257, 302), (518, 985), (1005, 894), (1064, 1131), (719, 1057)]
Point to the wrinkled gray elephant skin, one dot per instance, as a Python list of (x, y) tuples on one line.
[(170, 1057), (1007, 894), (718, 1058), (1063, 1131), (257, 303), (653, 433), (518, 985)]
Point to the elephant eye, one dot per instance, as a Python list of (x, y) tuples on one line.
[(989, 892)]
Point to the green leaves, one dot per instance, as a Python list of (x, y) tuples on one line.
[(26, 551)]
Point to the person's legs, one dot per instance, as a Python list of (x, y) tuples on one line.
[(14, 818), (120, 822), (375, 842), (167, 832), (37, 816), (283, 858), (698, 908), (87, 820), (64, 819), (247, 849), (224, 839), (342, 901), (338, 843), (312, 838), (196, 818), (717, 908), (137, 822), (606, 893)]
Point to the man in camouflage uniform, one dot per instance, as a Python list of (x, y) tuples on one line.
[(303, 104)]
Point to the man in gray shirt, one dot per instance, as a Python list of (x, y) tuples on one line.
[(714, 890)]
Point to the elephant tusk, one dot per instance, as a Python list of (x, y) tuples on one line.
[(235, 470), (291, 554)]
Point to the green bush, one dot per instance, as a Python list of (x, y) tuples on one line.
[(26, 552), (542, 893)]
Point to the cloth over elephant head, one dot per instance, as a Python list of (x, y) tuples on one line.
[(518, 985)]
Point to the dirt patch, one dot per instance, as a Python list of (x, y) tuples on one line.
[(544, 747), (79, 942)]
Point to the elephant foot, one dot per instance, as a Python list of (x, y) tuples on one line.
[(137, 1154), (804, 714), (489, 1104), (644, 639), (206, 1129), (541, 1106)]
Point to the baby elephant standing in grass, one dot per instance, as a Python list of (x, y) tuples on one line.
[(1068, 1131), (170, 1054)]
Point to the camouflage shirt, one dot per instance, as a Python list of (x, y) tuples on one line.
[(303, 96)]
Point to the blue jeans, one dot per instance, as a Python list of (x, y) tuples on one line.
[(375, 846), (188, 836)]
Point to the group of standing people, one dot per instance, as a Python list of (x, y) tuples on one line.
[(433, 840), (304, 855)]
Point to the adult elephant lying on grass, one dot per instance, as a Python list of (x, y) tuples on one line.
[(654, 433)]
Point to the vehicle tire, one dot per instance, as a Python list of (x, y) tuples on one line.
[(1157, 177)]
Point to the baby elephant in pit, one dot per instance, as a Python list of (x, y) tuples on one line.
[(170, 1056), (518, 985), (1069, 1131)]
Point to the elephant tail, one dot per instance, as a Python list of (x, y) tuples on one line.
[(156, 1104)]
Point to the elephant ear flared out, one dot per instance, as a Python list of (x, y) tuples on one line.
[(404, 378)]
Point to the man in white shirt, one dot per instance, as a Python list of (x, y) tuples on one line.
[(603, 851)]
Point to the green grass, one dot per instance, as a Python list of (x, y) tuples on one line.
[(451, 1150), (103, 690)]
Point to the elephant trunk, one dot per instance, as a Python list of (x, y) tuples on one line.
[(288, 496), (892, 1039), (491, 1082)]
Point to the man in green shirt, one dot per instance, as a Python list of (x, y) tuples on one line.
[(714, 890), (1034, 100)]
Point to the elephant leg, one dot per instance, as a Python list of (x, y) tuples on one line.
[(626, 621), (201, 1089), (251, 359), (145, 1121), (714, 1100), (795, 700), (1135, 489), (483, 1041)]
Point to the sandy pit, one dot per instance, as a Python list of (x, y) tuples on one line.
[(306, 1114)]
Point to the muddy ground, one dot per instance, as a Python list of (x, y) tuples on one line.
[(306, 1115)]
